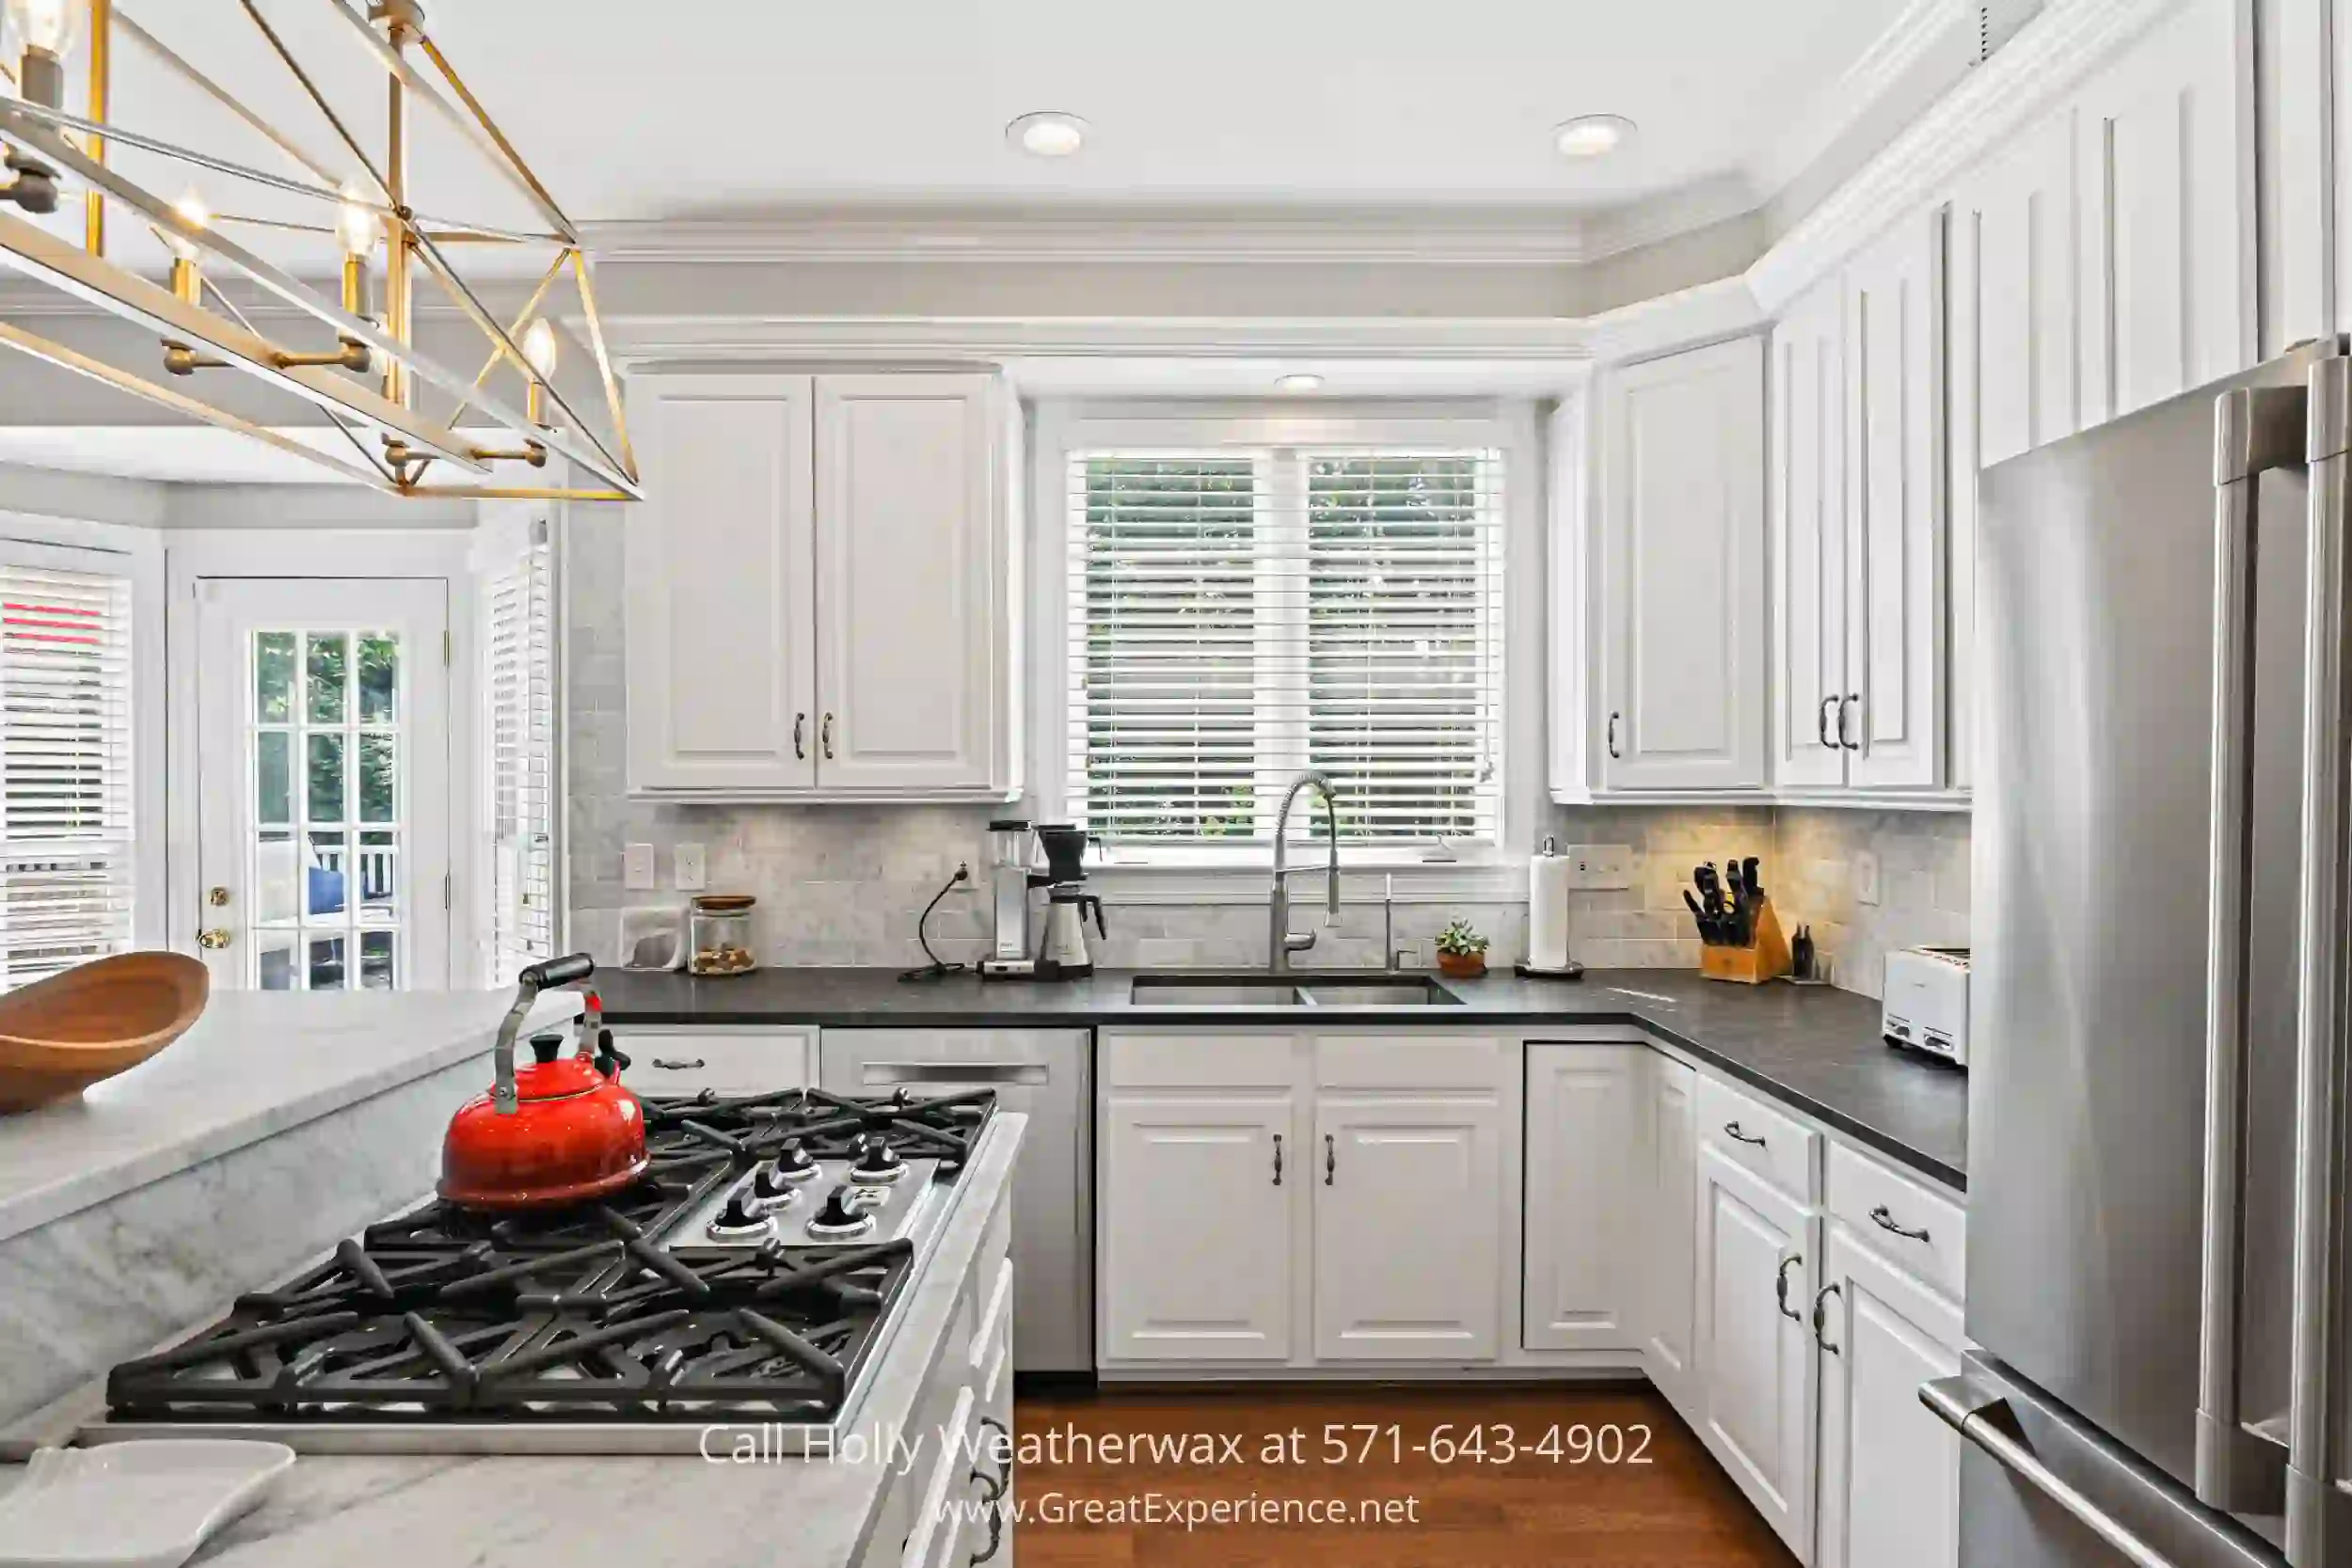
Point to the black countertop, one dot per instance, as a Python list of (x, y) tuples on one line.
[(1816, 1049)]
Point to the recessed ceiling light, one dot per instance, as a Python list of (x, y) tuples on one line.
[(1299, 381), (1591, 135), (1047, 133)]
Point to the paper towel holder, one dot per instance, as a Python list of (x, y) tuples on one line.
[(1569, 971)]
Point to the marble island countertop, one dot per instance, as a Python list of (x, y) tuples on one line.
[(255, 1064), (1817, 1049), (648, 1511)]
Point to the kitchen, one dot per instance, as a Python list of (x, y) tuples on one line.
[(1463, 773)]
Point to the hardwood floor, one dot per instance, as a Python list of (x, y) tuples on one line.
[(1535, 1511)]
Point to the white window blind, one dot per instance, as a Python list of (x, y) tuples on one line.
[(1238, 615), (520, 658), (66, 871)]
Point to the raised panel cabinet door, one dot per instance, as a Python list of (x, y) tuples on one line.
[(1682, 572), (720, 604), (1754, 1344), (1889, 1492), (2014, 234), (1408, 1230), (1892, 722), (1194, 1235), (2165, 165), (1582, 1168), (1669, 1208), (1808, 502), (915, 630)]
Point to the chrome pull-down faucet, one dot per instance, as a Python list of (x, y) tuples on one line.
[(1281, 942)]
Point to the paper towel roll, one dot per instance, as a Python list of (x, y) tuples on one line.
[(1548, 912)]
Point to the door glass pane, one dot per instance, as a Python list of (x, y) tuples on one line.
[(376, 749), (326, 778), (276, 900), (273, 676), (274, 783), (328, 669), (326, 970), (326, 879), (379, 676), (378, 878), (375, 960), (273, 953)]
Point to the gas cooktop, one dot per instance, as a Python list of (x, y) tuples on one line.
[(750, 1277)]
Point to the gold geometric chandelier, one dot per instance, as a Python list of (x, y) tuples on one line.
[(371, 381)]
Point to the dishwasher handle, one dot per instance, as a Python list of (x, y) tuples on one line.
[(953, 1072), (1989, 1426)]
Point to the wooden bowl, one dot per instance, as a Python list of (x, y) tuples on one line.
[(61, 1035)]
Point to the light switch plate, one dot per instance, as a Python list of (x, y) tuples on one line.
[(1600, 866), (637, 867), (690, 869), (1865, 876)]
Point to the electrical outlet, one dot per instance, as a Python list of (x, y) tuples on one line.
[(690, 868), (1865, 876), (1600, 866), (637, 867)]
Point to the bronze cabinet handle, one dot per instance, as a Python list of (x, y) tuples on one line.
[(1821, 1314), (799, 735), (1732, 1129), (1820, 722), (1883, 1218), (826, 735), (1613, 737), (1277, 1159), (1780, 1288), (1852, 700), (1330, 1159)]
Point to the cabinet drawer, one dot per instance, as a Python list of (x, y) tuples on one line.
[(1912, 1227), (731, 1061), (1408, 1062), (1751, 1133), (1199, 1061)]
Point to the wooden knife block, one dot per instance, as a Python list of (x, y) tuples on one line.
[(1766, 959)]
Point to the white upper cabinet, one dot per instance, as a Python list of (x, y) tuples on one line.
[(2014, 226), (1891, 722), (2164, 163), (820, 600), (909, 561), (1808, 502), (1683, 592), (720, 602)]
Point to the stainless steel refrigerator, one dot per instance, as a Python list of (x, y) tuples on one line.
[(2161, 943)]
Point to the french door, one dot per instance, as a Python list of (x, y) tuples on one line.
[(324, 771)]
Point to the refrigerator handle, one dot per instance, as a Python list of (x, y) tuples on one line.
[(2255, 429), (2318, 1514)]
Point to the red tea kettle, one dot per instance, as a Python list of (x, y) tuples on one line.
[(562, 1130)]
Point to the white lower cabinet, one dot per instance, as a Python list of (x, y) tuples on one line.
[(1196, 1239), (1586, 1167), (1756, 1261), (1668, 1206), (1889, 1485), (1430, 1170)]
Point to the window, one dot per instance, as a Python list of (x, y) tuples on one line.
[(66, 869), (519, 645), (1239, 614)]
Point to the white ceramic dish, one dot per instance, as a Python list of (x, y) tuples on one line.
[(147, 1504)]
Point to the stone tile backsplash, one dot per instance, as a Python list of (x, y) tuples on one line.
[(846, 884)]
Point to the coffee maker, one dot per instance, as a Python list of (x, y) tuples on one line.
[(1011, 956)]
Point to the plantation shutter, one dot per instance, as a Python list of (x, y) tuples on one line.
[(66, 871), (519, 658), (1239, 615)]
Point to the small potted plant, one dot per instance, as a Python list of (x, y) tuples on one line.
[(1461, 951)]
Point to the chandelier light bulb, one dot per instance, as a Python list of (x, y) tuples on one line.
[(359, 227), (540, 347), (194, 215), (52, 26)]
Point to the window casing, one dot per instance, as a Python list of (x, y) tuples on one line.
[(1241, 610), (521, 752)]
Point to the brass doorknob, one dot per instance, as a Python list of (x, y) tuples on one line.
[(214, 939), (217, 897)]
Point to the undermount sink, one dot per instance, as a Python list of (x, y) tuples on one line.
[(1288, 990)]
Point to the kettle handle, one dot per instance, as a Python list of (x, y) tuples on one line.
[(528, 985)]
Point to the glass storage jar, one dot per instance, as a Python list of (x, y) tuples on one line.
[(719, 935)]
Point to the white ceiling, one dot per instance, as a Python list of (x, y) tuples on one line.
[(704, 108)]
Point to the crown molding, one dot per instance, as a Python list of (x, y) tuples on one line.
[(1993, 102), (640, 341), (1917, 33)]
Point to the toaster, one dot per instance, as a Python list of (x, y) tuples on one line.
[(1927, 1001)]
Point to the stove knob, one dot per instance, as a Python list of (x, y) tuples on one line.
[(842, 1209), (769, 1183), (793, 1160), (877, 1160), (737, 1215)]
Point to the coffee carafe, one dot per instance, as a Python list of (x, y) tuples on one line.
[(1063, 955), (1010, 955)]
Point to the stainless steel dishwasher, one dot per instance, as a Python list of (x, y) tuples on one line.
[(1047, 1075)]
